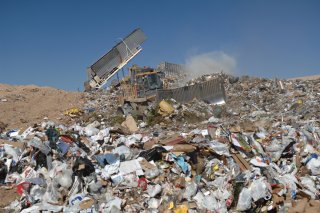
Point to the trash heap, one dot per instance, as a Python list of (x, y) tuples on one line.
[(259, 152)]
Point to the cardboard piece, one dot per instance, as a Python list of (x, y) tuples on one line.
[(183, 148), (241, 162), (86, 203), (172, 140), (131, 124), (145, 165), (127, 167)]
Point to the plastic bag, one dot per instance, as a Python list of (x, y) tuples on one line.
[(210, 203), (101, 134), (65, 178), (94, 186), (154, 190), (244, 202), (52, 195), (234, 167), (37, 193), (133, 139), (314, 166), (154, 203), (310, 185), (199, 198), (91, 131), (259, 189), (220, 148), (113, 205), (36, 142), (61, 174), (152, 173), (110, 170), (123, 150), (104, 159), (31, 209), (12, 151), (181, 162), (222, 193), (289, 181), (190, 190), (275, 149)]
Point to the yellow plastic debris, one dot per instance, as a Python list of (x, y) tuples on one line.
[(216, 167), (165, 108), (171, 205), (181, 209), (72, 112)]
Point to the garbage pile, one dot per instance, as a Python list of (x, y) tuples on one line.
[(259, 152)]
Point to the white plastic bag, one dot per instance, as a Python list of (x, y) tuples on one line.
[(61, 174), (190, 191), (12, 151), (314, 166), (220, 148), (52, 194), (244, 202), (210, 203), (154, 190), (259, 189)]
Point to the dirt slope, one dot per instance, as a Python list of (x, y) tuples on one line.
[(22, 106), (306, 78)]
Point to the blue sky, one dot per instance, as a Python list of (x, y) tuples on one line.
[(50, 43)]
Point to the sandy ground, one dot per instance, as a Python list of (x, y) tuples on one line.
[(23, 106), (306, 78), (7, 196)]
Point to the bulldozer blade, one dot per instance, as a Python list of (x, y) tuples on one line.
[(211, 92)]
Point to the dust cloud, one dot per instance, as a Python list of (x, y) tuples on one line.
[(208, 63)]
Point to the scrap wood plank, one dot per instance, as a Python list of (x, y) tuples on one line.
[(172, 140), (241, 162)]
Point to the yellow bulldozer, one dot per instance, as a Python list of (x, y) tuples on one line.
[(147, 84)]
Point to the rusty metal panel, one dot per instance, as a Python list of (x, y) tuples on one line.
[(211, 91)]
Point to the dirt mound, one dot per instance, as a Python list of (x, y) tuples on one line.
[(306, 78), (22, 106), (10, 195)]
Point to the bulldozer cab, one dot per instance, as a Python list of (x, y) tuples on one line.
[(141, 84)]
